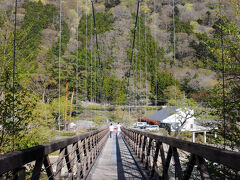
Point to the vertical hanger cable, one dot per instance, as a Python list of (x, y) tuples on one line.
[(174, 54), (14, 74), (223, 77), (59, 66)]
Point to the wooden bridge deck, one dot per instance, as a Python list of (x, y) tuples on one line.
[(115, 162)]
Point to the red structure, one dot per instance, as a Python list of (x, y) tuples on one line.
[(149, 121)]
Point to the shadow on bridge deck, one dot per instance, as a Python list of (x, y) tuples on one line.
[(115, 162)]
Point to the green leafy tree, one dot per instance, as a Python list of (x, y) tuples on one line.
[(159, 83), (27, 127), (40, 129), (114, 90), (12, 127), (91, 80), (213, 59), (65, 108), (171, 91), (147, 56)]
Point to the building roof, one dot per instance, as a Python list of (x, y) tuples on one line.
[(163, 113)]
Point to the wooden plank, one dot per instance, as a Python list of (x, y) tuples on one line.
[(228, 158), (48, 168)]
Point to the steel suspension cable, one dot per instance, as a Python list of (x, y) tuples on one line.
[(86, 45), (174, 54), (91, 67), (59, 65), (128, 74), (14, 73), (101, 93), (155, 54), (133, 43), (91, 39), (139, 61), (77, 82), (91, 42), (145, 55), (96, 39), (95, 61), (223, 77)]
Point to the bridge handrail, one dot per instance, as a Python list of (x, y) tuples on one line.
[(17, 159), (137, 139)]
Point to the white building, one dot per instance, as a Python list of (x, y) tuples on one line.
[(175, 118)]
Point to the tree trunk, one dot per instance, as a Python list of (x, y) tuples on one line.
[(70, 112), (43, 95)]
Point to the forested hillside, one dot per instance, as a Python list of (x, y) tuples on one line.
[(190, 70)]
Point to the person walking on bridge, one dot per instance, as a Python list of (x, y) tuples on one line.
[(118, 129), (111, 128)]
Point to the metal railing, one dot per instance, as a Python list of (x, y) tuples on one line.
[(75, 156), (167, 158)]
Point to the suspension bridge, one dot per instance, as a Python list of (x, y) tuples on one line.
[(134, 154)]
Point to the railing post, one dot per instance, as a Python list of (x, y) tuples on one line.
[(178, 168), (19, 174), (202, 168), (68, 160), (59, 163), (147, 159), (155, 158), (191, 163), (48, 168), (71, 159), (167, 163), (88, 152), (98, 143), (143, 148), (130, 138), (37, 169), (162, 155), (134, 142), (138, 144), (94, 146), (79, 152), (84, 165)]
